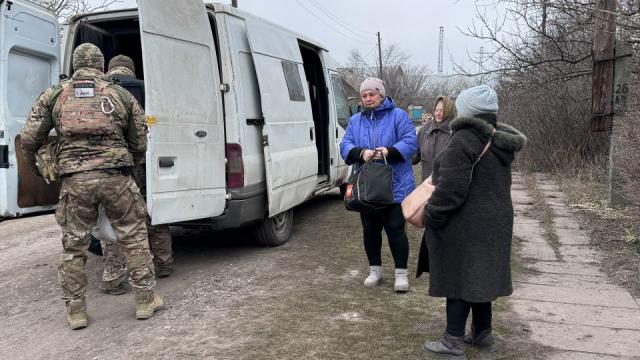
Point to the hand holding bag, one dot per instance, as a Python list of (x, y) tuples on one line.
[(370, 187), (413, 205)]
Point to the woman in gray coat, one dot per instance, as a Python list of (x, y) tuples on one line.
[(434, 135), (469, 220), (432, 138)]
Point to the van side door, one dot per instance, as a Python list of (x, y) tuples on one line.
[(186, 156), (29, 64), (291, 157), (341, 108)]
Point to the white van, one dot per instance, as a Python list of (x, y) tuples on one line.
[(245, 117)]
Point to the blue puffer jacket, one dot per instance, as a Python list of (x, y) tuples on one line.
[(385, 126)]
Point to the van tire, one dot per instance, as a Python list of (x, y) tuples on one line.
[(276, 230)]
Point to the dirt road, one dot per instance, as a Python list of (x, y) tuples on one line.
[(230, 299)]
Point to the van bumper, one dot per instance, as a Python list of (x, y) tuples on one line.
[(241, 212)]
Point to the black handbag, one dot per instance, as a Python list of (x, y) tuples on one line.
[(370, 187)]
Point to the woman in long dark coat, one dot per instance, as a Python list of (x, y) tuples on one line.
[(469, 220)]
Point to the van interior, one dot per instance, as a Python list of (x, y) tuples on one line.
[(122, 37), (319, 105)]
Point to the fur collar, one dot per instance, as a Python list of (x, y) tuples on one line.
[(506, 137)]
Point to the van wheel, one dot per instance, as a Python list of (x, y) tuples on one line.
[(275, 230)]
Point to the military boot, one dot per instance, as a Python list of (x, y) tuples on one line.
[(483, 339), (163, 271), (450, 346), (146, 304), (77, 314)]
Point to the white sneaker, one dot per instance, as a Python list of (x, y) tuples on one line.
[(375, 274), (402, 281)]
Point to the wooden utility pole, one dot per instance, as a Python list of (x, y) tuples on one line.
[(604, 39), (379, 57)]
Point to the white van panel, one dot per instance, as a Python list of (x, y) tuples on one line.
[(29, 63), (291, 157), (186, 155), (341, 114), (28, 76)]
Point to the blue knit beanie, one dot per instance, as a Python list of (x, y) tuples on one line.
[(477, 100)]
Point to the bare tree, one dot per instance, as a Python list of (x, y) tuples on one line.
[(65, 8), (405, 82), (540, 55)]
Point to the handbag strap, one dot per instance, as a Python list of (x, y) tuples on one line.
[(484, 151), (486, 147), (381, 153)]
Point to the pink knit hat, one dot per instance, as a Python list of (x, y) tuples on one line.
[(374, 84)]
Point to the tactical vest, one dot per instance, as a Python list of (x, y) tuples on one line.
[(90, 125), (86, 110)]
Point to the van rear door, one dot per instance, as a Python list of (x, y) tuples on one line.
[(291, 157), (29, 63), (185, 159)]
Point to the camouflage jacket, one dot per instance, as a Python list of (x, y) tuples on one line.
[(124, 146)]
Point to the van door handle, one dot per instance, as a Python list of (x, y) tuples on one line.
[(165, 163), (311, 134)]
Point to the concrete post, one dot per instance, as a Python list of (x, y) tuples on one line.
[(621, 94)]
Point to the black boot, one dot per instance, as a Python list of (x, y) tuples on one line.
[(449, 345), (483, 339)]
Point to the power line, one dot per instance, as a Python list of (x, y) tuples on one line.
[(337, 20), (327, 24)]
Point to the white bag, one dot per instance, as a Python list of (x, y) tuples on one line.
[(103, 230)]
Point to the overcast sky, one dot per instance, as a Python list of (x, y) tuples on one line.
[(343, 25)]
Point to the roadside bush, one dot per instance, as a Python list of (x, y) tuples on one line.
[(556, 121)]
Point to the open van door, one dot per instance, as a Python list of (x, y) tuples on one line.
[(29, 64), (291, 157), (341, 108), (186, 155)]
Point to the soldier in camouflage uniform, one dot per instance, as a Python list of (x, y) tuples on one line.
[(122, 69), (101, 135)]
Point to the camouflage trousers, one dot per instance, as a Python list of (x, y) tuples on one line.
[(115, 264), (77, 213)]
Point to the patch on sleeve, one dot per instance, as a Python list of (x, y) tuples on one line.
[(84, 90)]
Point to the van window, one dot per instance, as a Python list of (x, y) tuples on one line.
[(294, 84), (342, 107), (27, 77)]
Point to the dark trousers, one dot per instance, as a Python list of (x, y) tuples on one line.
[(392, 221), (458, 311)]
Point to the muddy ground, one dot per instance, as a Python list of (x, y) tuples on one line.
[(231, 299)]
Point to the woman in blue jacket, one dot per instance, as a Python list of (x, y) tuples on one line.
[(381, 127)]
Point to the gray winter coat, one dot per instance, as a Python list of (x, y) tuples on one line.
[(431, 140), (469, 217)]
